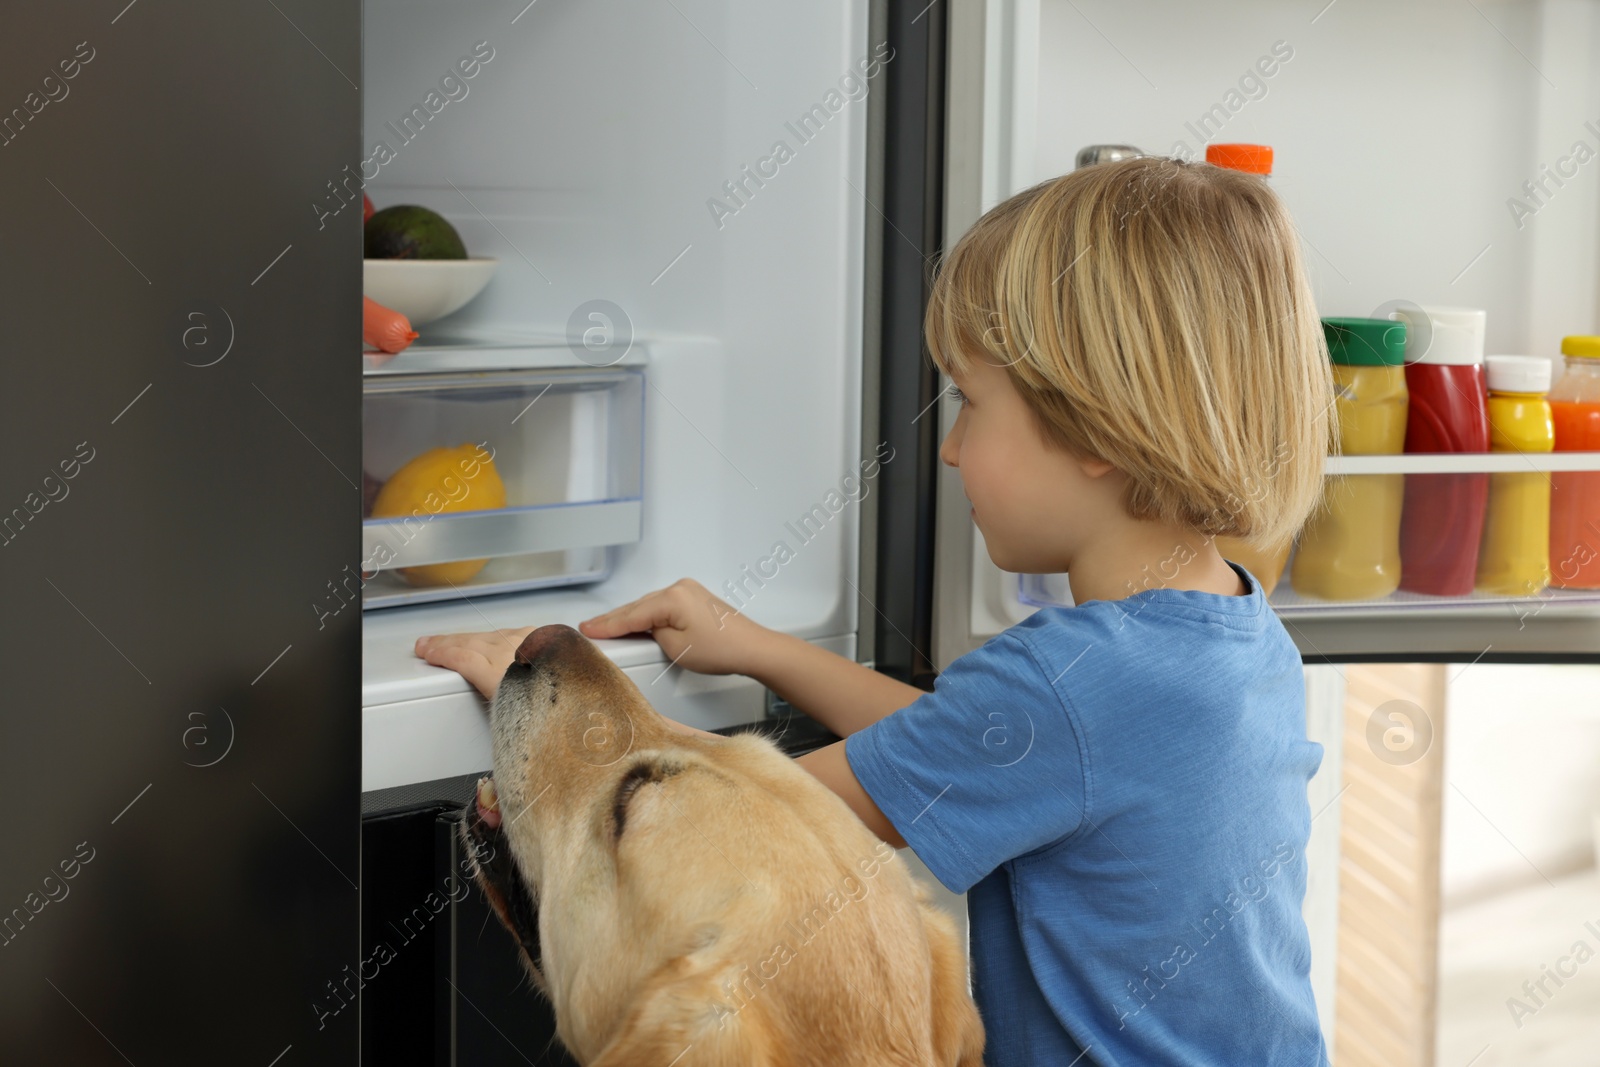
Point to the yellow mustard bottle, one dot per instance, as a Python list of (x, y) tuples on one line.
[(1514, 556), (1349, 548)]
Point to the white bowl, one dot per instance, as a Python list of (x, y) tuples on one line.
[(425, 289)]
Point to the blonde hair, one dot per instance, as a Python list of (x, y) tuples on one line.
[(1155, 314)]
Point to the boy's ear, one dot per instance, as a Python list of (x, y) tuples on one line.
[(1095, 468)]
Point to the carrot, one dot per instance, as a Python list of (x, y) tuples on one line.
[(383, 329)]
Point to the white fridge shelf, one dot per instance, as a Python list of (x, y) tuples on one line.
[(459, 349), (1289, 604), (1464, 463)]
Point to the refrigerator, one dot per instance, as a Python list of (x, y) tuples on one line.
[(699, 354)]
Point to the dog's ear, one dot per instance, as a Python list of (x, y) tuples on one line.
[(957, 1031), (677, 1018)]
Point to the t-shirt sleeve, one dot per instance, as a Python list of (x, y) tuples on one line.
[(985, 768)]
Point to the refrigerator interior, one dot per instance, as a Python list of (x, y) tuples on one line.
[(1404, 135), (629, 153)]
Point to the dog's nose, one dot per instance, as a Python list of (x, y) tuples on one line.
[(540, 642)]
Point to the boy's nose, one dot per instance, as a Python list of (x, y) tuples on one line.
[(949, 451)]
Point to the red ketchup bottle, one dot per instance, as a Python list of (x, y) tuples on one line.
[(1442, 517)]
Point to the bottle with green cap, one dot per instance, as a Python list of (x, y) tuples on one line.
[(1575, 495), (1350, 547)]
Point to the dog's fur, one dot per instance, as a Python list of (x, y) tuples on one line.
[(701, 903)]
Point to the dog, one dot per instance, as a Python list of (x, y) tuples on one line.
[(684, 901)]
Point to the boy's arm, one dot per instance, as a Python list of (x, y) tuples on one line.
[(830, 767), (839, 693)]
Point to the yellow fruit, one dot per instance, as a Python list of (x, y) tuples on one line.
[(438, 481)]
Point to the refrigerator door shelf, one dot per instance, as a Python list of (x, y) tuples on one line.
[(1464, 463), (1366, 501), (1548, 601), (566, 444), (1053, 590)]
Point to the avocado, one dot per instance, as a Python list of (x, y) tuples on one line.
[(407, 231)]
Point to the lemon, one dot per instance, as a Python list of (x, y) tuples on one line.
[(438, 481)]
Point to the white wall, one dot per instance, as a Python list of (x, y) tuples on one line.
[(1401, 129), (1522, 773)]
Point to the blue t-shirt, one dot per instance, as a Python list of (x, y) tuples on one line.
[(1120, 790)]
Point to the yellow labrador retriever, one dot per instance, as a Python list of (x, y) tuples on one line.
[(689, 902)]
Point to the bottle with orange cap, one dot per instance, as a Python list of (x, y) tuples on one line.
[(1250, 158), (1575, 495), (1266, 564)]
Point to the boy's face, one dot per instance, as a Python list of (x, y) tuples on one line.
[(1034, 502)]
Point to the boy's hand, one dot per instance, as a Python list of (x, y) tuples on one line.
[(694, 628), (480, 658)]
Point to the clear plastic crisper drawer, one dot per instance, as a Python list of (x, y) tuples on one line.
[(497, 481)]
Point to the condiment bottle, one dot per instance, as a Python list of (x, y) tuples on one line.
[(1251, 158), (1575, 495), (1265, 564), (1106, 153), (1350, 547), (1514, 559), (1442, 519)]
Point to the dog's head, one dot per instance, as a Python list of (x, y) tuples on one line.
[(565, 726), (680, 895)]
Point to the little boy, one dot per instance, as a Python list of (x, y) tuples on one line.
[(1119, 787)]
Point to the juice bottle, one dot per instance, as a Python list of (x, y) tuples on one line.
[(1514, 559), (1265, 563), (1575, 495), (1350, 547), (1250, 158), (1442, 518)]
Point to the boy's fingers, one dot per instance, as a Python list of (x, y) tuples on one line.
[(450, 657), (599, 626), (641, 616), (663, 609), (437, 644), (431, 645), (471, 665)]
